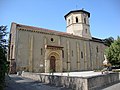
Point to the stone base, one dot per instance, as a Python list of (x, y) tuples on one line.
[(76, 83)]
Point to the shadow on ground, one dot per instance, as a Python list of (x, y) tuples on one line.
[(14, 82)]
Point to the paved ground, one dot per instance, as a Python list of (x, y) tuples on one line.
[(113, 87), (19, 83)]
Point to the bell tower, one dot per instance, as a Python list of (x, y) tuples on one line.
[(78, 23)]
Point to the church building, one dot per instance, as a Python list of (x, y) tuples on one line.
[(41, 50)]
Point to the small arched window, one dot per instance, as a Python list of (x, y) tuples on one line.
[(68, 21), (41, 51), (76, 19), (97, 49), (85, 20), (72, 52), (86, 31), (63, 53), (81, 54)]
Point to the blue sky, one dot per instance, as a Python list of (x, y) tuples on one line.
[(104, 20)]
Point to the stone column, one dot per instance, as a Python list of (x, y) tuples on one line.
[(31, 55), (47, 62), (78, 56), (47, 66), (68, 56), (85, 62)]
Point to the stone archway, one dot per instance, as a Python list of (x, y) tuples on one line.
[(53, 62)]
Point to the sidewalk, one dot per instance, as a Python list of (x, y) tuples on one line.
[(113, 87)]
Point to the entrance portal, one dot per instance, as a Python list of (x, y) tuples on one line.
[(52, 63)]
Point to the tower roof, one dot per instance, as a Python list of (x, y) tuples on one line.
[(74, 11)]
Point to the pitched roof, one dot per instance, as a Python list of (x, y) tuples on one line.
[(97, 39), (47, 31), (53, 32), (74, 11)]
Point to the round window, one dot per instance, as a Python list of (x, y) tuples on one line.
[(52, 39)]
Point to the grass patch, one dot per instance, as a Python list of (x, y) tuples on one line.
[(98, 70), (116, 70)]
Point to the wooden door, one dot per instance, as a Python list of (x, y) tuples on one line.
[(52, 64)]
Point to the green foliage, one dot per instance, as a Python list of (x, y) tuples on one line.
[(3, 60), (113, 52), (108, 41), (116, 70)]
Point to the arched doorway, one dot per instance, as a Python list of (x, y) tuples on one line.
[(52, 64), (53, 61)]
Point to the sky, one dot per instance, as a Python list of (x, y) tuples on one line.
[(104, 19)]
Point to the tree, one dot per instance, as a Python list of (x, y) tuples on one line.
[(3, 51), (113, 52), (108, 41)]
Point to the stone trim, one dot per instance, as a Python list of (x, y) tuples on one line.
[(53, 47)]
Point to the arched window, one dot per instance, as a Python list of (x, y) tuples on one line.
[(63, 53), (86, 31), (41, 51), (85, 20), (72, 52), (81, 54), (97, 49), (68, 21), (76, 19)]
